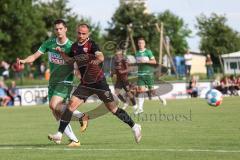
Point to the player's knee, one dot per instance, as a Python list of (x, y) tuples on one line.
[(72, 106), (52, 106), (111, 107)]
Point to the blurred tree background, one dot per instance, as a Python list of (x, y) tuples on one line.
[(217, 37), (25, 24)]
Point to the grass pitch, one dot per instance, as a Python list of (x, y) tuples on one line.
[(184, 129)]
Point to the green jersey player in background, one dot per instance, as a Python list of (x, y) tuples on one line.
[(61, 76), (146, 61)]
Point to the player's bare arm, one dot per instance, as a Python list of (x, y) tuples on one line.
[(66, 58), (99, 58), (30, 58)]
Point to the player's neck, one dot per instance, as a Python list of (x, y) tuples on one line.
[(61, 40), (143, 49)]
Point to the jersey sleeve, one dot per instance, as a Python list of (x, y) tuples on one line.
[(150, 54), (95, 48), (43, 48)]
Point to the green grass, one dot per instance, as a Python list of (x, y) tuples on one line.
[(184, 130)]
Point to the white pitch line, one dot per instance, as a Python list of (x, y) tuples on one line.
[(120, 149)]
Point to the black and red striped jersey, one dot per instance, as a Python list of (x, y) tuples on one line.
[(83, 55)]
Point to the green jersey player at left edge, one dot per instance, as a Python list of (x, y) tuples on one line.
[(61, 77)]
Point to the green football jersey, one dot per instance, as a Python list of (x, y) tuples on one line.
[(145, 68), (60, 71)]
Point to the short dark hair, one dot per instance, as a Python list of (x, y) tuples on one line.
[(140, 38), (59, 21)]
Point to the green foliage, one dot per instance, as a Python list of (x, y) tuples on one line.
[(21, 28), (140, 22), (25, 24), (57, 9), (176, 30), (216, 36), (144, 25)]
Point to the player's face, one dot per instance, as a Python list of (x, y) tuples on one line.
[(60, 30), (119, 55), (141, 44), (82, 34)]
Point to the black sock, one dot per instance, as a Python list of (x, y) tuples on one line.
[(121, 114), (65, 120), (133, 101), (121, 98), (149, 93)]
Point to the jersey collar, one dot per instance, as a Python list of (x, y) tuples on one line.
[(81, 44), (142, 50), (61, 44)]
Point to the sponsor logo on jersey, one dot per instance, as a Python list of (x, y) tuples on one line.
[(55, 58)]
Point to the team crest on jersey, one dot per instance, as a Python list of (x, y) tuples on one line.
[(85, 49)]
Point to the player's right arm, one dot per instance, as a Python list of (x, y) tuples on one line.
[(29, 59), (67, 59)]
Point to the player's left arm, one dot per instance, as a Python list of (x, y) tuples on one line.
[(125, 66), (99, 58), (152, 59)]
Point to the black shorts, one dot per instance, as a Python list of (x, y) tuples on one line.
[(123, 84), (101, 89)]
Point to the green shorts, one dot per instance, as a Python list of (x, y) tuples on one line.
[(61, 90), (146, 80)]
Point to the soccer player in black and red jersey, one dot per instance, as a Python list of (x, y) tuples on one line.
[(89, 59), (121, 70)]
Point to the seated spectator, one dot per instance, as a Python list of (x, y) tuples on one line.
[(225, 85), (3, 94), (233, 85), (17, 70), (193, 87), (216, 84), (238, 85), (14, 93)]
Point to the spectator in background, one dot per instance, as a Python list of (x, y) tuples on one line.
[(238, 85), (32, 70), (17, 69), (209, 66), (188, 63), (1, 69), (42, 70), (5, 66), (4, 98), (14, 93), (233, 85), (225, 85), (47, 74), (193, 87), (216, 84)]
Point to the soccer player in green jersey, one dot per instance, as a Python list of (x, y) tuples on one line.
[(145, 60), (61, 76)]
